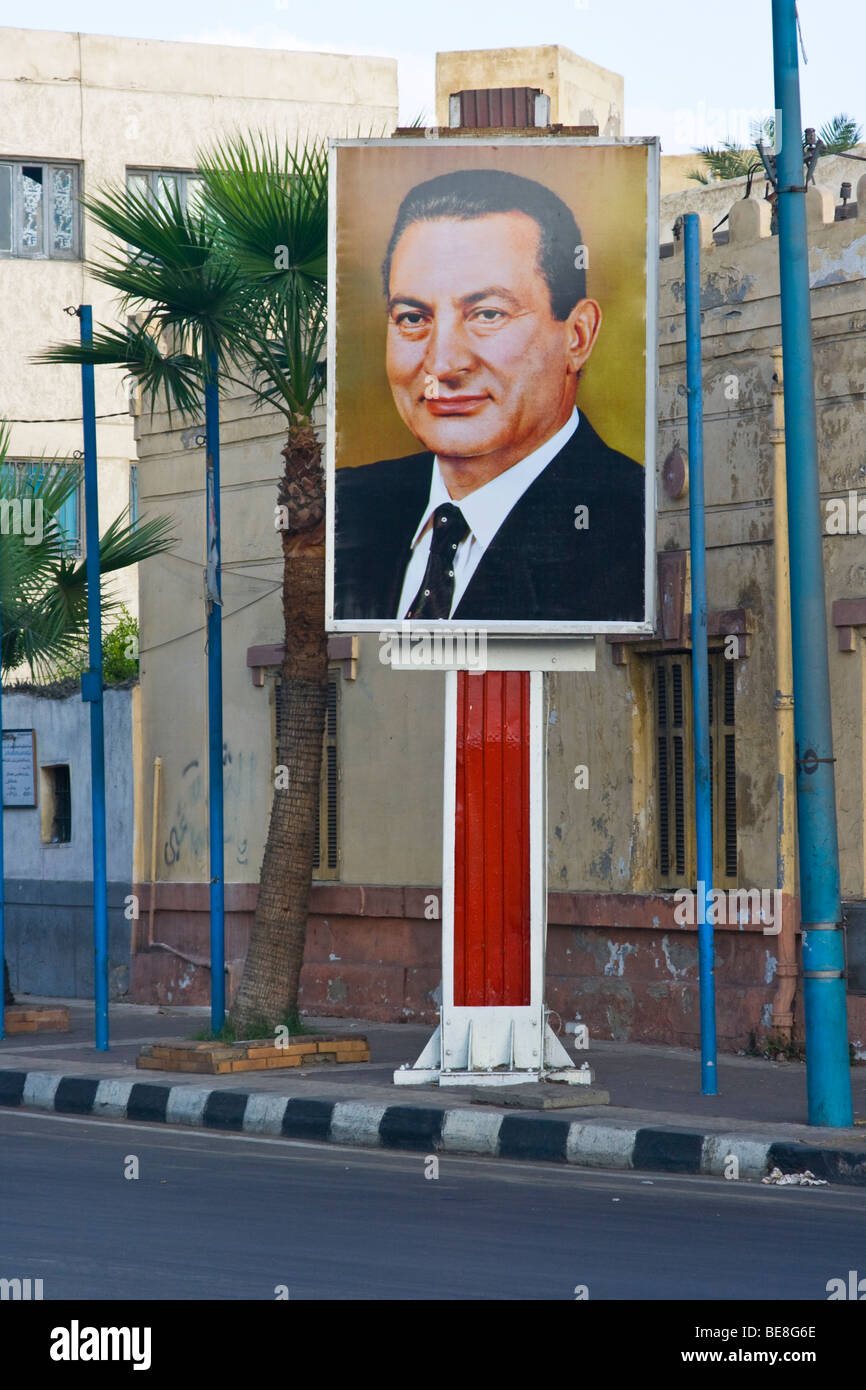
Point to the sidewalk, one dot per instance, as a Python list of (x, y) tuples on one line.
[(657, 1119)]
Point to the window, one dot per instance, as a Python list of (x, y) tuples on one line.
[(56, 804), (69, 516), (163, 185), (674, 739), (326, 855), (39, 211)]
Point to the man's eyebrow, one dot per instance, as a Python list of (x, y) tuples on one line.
[(491, 292), (407, 299)]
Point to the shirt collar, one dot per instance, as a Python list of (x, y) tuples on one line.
[(486, 508)]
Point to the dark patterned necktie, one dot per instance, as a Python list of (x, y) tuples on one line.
[(434, 598)]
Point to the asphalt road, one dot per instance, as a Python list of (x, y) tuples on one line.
[(216, 1217)]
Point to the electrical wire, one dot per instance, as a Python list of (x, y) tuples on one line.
[(203, 626), (62, 419), (226, 566)]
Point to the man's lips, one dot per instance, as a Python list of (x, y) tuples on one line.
[(454, 405)]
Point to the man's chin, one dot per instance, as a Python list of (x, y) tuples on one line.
[(451, 439)]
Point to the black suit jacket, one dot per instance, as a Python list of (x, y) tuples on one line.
[(539, 566)]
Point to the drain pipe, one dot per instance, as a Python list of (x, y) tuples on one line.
[(783, 704), (157, 776)]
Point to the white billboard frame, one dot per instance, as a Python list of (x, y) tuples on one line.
[(499, 627)]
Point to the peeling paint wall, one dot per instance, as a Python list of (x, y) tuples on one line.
[(603, 839)]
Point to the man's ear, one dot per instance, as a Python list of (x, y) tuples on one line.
[(583, 326)]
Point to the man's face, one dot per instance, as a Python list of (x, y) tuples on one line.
[(470, 319)]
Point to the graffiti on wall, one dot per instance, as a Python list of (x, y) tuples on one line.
[(187, 836)]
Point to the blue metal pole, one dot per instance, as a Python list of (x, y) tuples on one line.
[(215, 699), (700, 678), (91, 691), (828, 1077), (2, 867)]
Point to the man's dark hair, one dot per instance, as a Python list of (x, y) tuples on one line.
[(469, 193)]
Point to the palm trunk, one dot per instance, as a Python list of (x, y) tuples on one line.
[(268, 990)]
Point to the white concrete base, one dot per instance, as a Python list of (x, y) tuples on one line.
[(415, 1076), (488, 1078), (557, 1067), (572, 1076)]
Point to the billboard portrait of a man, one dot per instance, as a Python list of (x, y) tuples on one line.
[(509, 508)]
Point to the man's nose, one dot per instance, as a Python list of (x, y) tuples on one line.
[(448, 349)]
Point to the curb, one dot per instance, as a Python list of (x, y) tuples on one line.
[(427, 1129)]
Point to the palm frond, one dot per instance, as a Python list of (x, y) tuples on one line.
[(841, 133), (288, 367), (729, 161), (166, 260), (43, 591), (125, 543), (271, 203), (242, 278), (176, 376)]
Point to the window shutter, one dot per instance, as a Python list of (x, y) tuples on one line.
[(674, 754)]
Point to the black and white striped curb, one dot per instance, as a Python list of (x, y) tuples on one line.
[(428, 1129)]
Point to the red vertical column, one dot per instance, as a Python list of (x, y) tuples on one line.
[(491, 843)]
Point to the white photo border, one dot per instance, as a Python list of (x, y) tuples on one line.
[(516, 627)]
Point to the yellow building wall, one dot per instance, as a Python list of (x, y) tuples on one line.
[(581, 92)]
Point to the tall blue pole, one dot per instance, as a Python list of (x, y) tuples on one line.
[(2, 867), (215, 699), (91, 692), (700, 676), (828, 1078)]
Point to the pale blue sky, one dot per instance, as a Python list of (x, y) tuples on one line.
[(694, 71)]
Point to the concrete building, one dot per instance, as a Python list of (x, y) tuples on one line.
[(84, 110)]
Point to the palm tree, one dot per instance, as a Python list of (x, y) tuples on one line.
[(43, 591), (840, 134), (272, 208), (240, 282), (733, 161), (728, 161)]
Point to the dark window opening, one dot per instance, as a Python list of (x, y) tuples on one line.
[(56, 805)]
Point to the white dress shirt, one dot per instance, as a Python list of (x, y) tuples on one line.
[(485, 510)]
